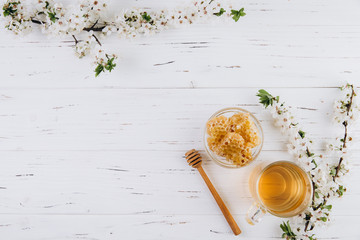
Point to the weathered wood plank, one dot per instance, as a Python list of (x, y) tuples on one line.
[(131, 182), (156, 227), (116, 119)]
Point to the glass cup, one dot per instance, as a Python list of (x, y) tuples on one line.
[(228, 112), (281, 188)]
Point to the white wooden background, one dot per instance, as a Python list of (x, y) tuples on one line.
[(101, 158)]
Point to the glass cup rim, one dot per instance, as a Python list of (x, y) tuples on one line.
[(258, 149), (257, 185)]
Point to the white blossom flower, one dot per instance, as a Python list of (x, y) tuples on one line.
[(16, 17)]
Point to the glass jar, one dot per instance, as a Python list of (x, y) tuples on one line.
[(228, 112)]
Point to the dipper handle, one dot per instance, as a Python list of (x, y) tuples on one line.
[(229, 218)]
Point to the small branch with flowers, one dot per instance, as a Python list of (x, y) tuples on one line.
[(326, 172), (91, 19)]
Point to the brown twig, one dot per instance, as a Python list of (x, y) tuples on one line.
[(313, 195), (312, 204), (95, 29), (76, 41), (96, 22), (92, 27), (323, 203), (36, 21), (307, 224), (97, 40)]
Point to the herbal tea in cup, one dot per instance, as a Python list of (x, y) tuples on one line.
[(281, 188)]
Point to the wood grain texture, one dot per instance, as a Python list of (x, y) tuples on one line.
[(101, 158)]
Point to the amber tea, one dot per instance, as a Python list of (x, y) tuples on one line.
[(281, 188)]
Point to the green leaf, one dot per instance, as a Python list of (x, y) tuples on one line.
[(6, 12), (287, 232), (283, 227), (237, 14), (333, 172), (313, 161), (221, 12), (316, 194), (328, 207), (266, 98), (146, 17), (99, 69), (10, 9), (341, 190), (52, 16), (301, 133), (110, 65), (324, 219), (288, 226), (312, 237)]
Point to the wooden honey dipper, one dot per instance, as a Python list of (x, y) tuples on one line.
[(194, 160)]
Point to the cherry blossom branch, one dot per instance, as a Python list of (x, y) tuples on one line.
[(345, 124), (88, 17), (322, 173)]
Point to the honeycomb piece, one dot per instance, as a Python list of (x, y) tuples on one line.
[(213, 143), (242, 124), (244, 157), (233, 138), (233, 141), (236, 121), (230, 144), (251, 137), (234, 149), (217, 126)]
